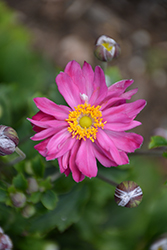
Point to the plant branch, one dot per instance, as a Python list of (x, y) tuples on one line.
[(113, 183)]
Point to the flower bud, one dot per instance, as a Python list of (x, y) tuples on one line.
[(32, 186), (160, 244), (128, 194), (5, 241), (28, 211), (106, 49), (8, 140), (18, 199)]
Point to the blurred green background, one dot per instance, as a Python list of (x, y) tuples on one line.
[(68, 215)]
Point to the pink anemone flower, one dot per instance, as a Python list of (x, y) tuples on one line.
[(92, 127)]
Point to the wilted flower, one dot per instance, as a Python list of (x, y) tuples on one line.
[(128, 194), (106, 49), (160, 244), (5, 241), (8, 140), (92, 127)]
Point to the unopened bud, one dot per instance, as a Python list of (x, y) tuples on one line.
[(18, 199), (160, 244), (51, 246), (5, 241), (128, 194), (8, 140), (28, 211), (32, 186), (106, 49)]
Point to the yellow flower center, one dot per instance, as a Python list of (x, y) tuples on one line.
[(107, 46), (84, 121)]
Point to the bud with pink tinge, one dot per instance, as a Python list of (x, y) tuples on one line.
[(106, 49), (128, 194), (5, 241), (8, 140)]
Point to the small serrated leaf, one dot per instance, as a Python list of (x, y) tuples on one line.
[(49, 199), (157, 141)]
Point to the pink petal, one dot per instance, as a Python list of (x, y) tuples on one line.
[(60, 112), (40, 116), (59, 144), (102, 157), (68, 89), (73, 69), (76, 173), (127, 142), (119, 88), (56, 124), (107, 144), (118, 126), (112, 102), (109, 102), (64, 162), (44, 134), (41, 147), (128, 109), (127, 95), (100, 88), (85, 159), (88, 74)]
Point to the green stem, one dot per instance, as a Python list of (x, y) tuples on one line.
[(148, 152), (113, 183), (21, 157)]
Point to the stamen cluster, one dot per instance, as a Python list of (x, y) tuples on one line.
[(84, 110)]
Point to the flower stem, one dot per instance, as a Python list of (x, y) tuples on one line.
[(148, 152), (21, 157), (113, 183)]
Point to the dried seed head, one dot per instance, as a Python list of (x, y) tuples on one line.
[(128, 194), (8, 140), (5, 241), (106, 49)]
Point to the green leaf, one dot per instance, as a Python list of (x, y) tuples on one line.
[(35, 197), (3, 195), (68, 211), (11, 189), (38, 167), (45, 184), (164, 154), (20, 182), (49, 199), (157, 141)]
